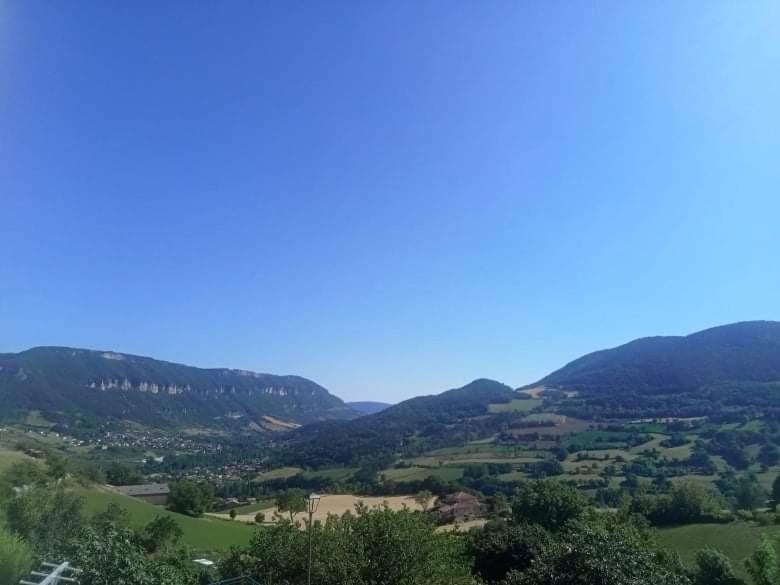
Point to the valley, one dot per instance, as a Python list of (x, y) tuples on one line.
[(628, 448)]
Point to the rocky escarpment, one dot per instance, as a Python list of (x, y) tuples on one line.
[(99, 384)]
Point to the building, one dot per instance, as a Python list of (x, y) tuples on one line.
[(459, 507), (153, 493)]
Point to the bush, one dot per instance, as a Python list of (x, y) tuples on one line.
[(190, 498), (15, 558)]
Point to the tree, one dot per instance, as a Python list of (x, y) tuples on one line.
[(114, 556), (762, 564), (369, 547), (232, 514), (48, 518), (16, 558), (548, 503), (423, 499), (749, 494), (769, 455), (120, 474), (776, 492), (259, 518), (601, 554), (190, 498), (113, 516), (292, 501), (714, 568), (498, 506), (499, 548), (25, 473), (57, 466), (162, 533)]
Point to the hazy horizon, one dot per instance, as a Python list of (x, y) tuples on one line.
[(390, 200)]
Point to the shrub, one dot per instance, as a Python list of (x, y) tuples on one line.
[(15, 558)]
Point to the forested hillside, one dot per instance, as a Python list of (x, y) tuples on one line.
[(711, 371), (432, 420), (64, 383)]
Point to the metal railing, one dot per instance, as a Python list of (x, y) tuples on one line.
[(53, 574)]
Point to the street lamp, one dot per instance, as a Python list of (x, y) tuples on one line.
[(313, 503)]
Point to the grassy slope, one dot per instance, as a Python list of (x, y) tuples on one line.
[(200, 533), (8, 458), (279, 473), (420, 473), (737, 540)]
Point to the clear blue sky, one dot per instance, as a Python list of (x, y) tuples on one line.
[(391, 198)]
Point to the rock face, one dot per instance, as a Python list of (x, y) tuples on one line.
[(66, 382)]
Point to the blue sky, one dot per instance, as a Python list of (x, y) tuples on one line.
[(392, 198)]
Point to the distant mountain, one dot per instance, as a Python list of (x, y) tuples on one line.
[(746, 352), (368, 407), (718, 372), (432, 420), (64, 382), (724, 371)]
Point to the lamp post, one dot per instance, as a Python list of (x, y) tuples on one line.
[(313, 502)]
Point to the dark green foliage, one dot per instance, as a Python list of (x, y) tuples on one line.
[(591, 553), (762, 565), (49, 518), (769, 455), (776, 491), (546, 467), (372, 547), (25, 473), (121, 474), (500, 548), (56, 380), (686, 503), (714, 568), (749, 494), (190, 498), (113, 556), (16, 558), (161, 534), (292, 501), (743, 491), (548, 503)]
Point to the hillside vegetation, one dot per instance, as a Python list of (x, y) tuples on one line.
[(64, 383)]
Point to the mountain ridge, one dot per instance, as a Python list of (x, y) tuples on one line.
[(747, 351), (64, 381)]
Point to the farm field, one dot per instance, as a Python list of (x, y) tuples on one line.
[(254, 508), (333, 473), (516, 405), (335, 504), (449, 473), (279, 473), (203, 534), (735, 539)]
